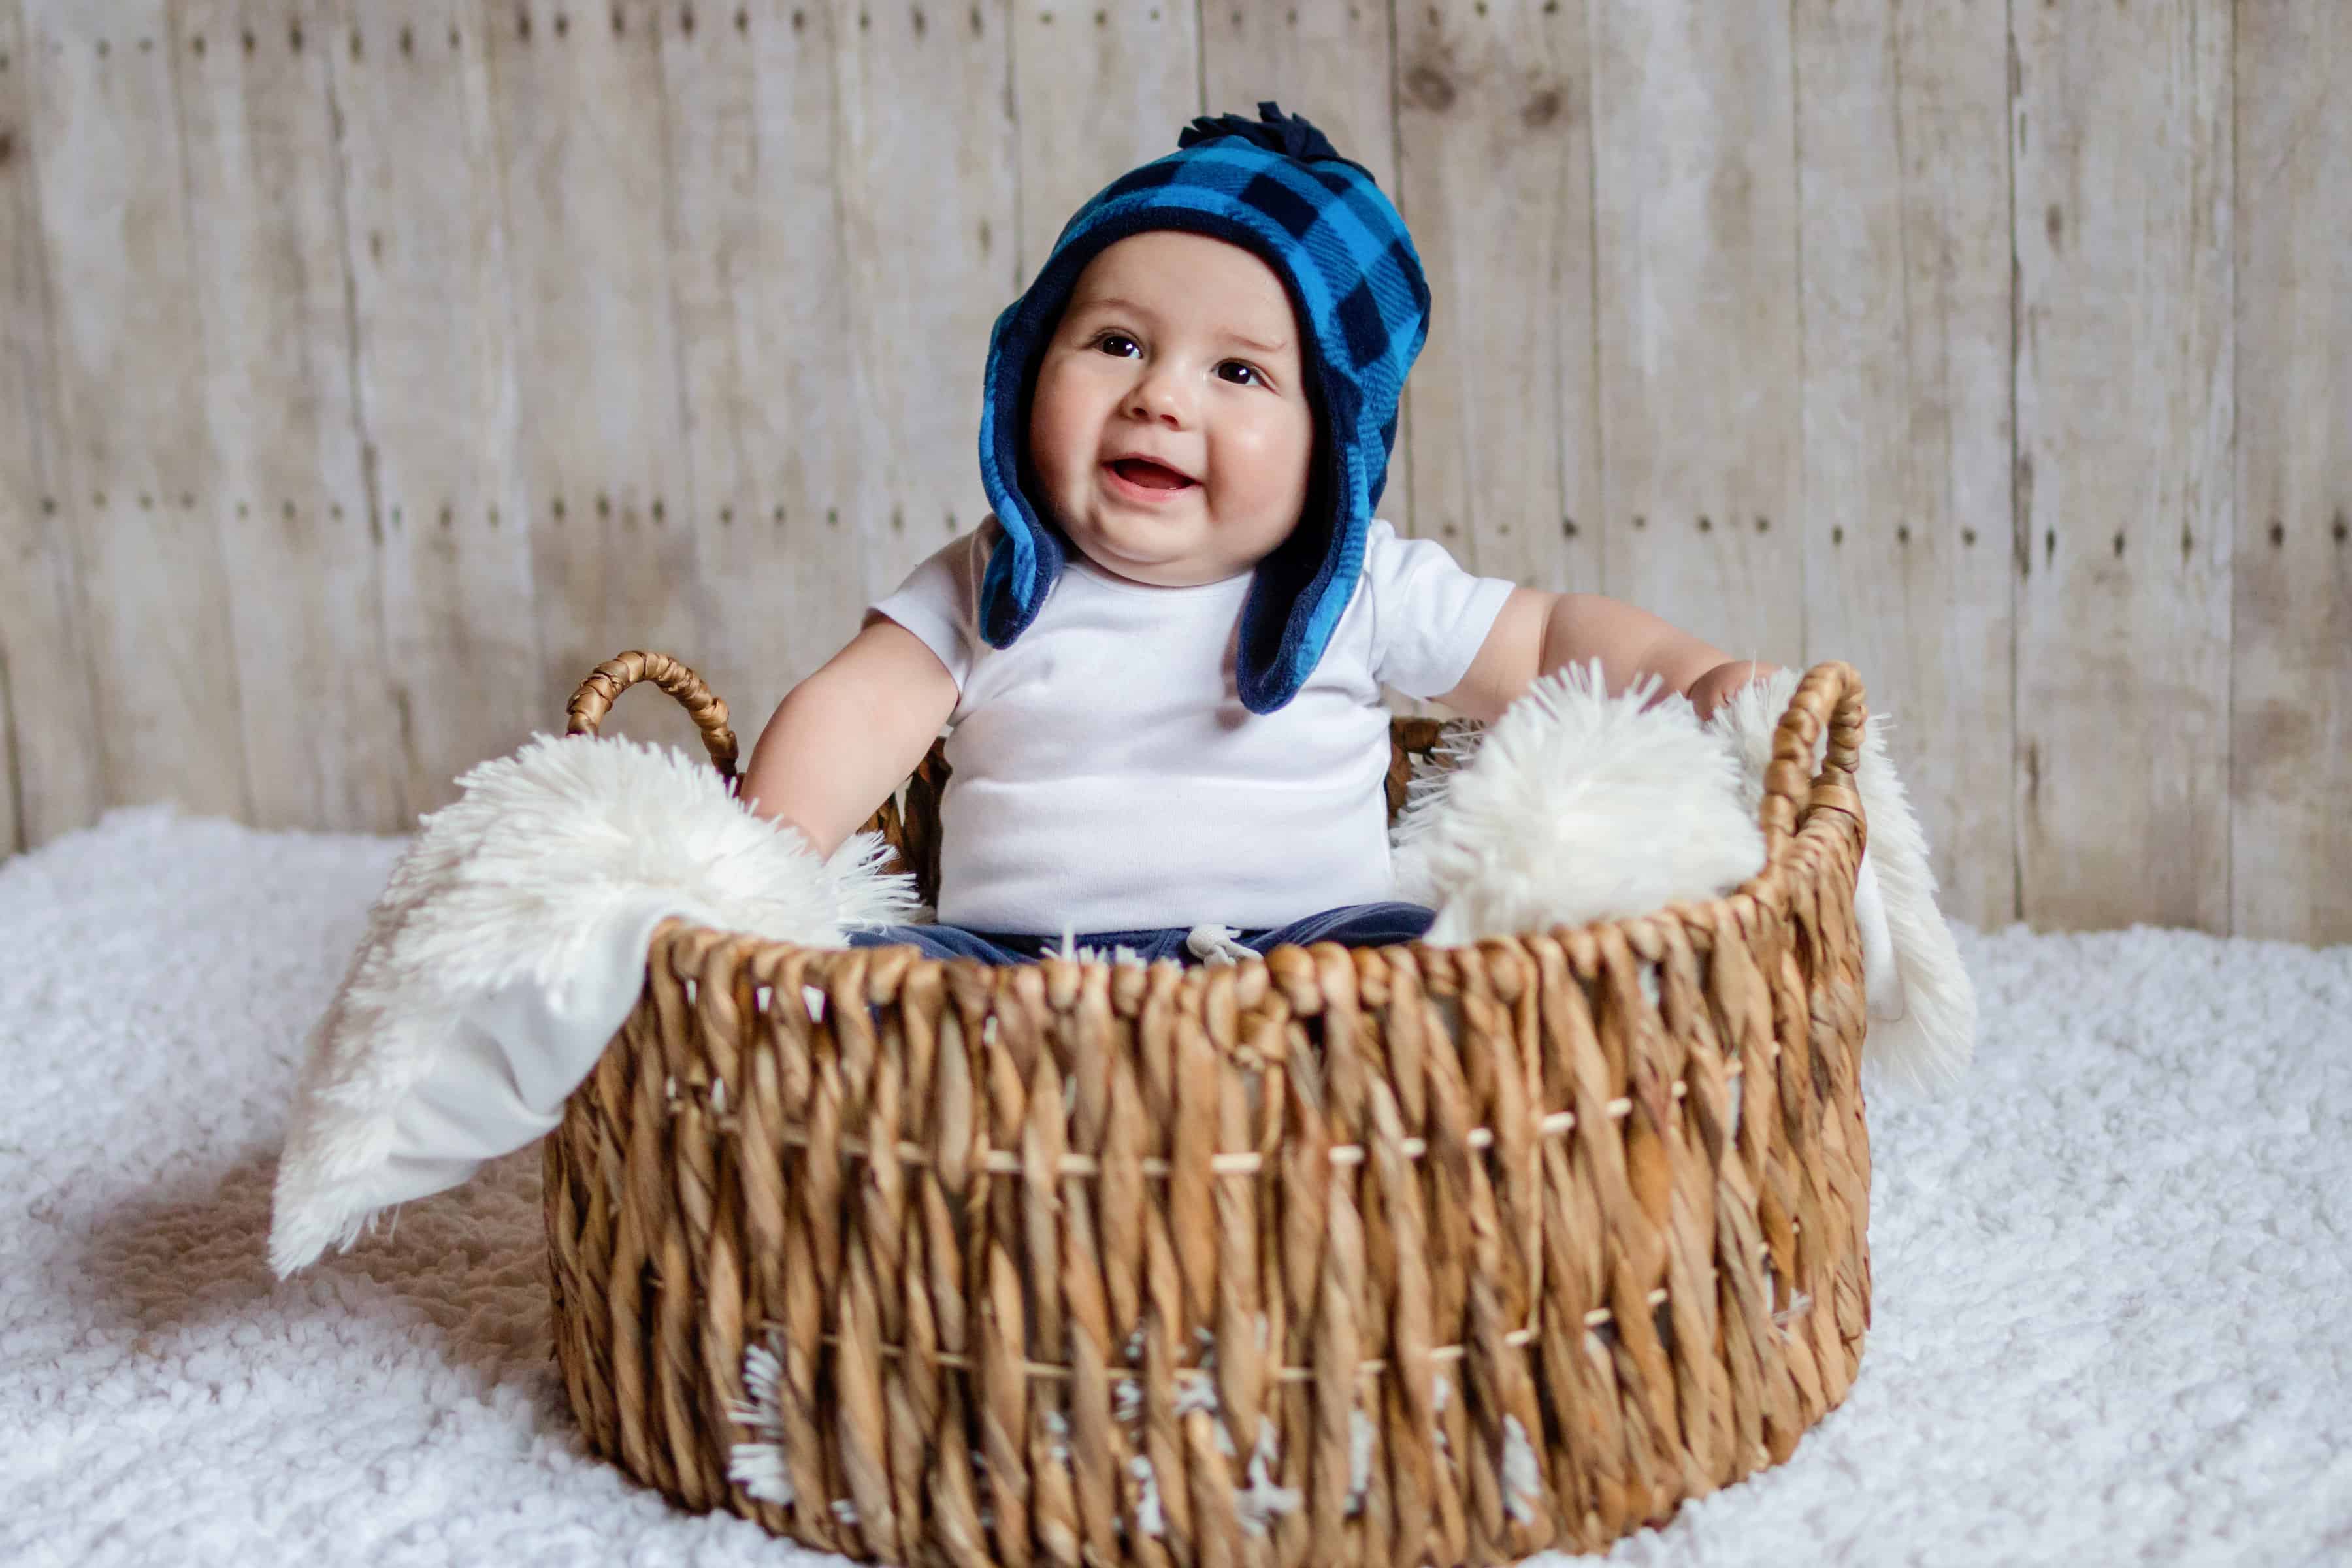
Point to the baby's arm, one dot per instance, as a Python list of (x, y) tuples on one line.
[(1537, 632), (842, 740)]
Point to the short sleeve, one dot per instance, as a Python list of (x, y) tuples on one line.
[(1430, 617), (940, 600)]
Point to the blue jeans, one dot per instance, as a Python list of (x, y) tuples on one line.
[(1356, 925)]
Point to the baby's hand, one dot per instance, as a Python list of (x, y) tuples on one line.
[(1709, 690)]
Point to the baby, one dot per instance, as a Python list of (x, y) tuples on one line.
[(1161, 654)]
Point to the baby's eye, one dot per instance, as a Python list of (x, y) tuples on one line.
[(1105, 340), (1252, 369), (1113, 338)]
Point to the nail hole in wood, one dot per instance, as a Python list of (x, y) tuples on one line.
[(2278, 533)]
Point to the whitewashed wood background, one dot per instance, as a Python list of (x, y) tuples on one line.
[(369, 372)]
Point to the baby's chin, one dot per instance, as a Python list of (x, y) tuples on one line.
[(1150, 572), (1171, 552)]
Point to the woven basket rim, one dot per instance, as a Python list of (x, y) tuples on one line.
[(1700, 916), (1805, 847)]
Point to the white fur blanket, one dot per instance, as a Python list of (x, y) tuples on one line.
[(1577, 807), (509, 944), (510, 939)]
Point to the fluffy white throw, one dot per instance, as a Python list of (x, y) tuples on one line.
[(509, 945), (509, 942), (1576, 806)]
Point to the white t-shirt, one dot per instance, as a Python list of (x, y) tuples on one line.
[(1105, 775)]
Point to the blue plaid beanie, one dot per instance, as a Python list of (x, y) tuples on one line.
[(1275, 188)]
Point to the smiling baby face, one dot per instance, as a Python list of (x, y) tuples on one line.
[(1183, 348)]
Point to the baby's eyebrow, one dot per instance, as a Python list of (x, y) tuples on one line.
[(1093, 306)]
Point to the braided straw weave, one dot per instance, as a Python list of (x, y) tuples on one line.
[(1378, 1256)]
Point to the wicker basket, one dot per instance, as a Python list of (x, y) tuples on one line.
[(1375, 1256)]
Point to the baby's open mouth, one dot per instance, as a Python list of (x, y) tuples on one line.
[(1151, 475)]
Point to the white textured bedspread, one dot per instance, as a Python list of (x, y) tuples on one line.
[(2113, 1273)]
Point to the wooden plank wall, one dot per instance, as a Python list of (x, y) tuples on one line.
[(371, 369)]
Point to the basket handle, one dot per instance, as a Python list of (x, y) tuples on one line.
[(1831, 693), (595, 699)]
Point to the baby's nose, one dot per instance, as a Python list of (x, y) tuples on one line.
[(1160, 394)]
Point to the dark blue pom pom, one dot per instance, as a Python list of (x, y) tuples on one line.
[(1273, 130)]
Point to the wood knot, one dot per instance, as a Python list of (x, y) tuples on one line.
[(1429, 88)]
